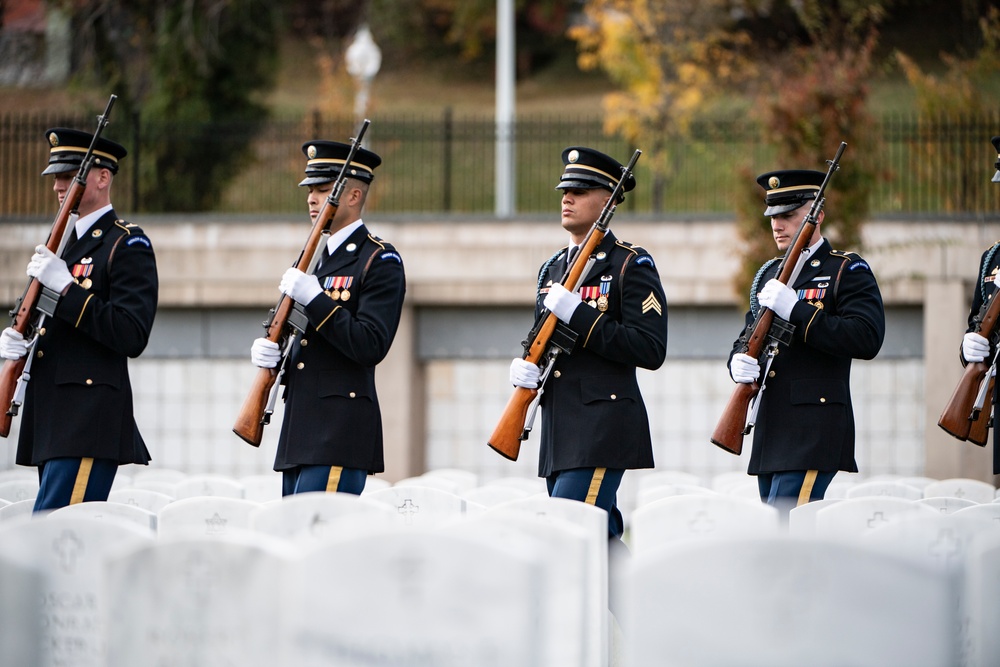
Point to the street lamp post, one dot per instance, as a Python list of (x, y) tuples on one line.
[(363, 61)]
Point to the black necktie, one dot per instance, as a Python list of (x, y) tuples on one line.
[(572, 255)]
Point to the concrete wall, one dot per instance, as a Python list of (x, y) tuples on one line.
[(209, 262)]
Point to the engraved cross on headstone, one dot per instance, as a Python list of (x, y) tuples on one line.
[(216, 525), (945, 547), (408, 509), (877, 519), (68, 546), (701, 523)]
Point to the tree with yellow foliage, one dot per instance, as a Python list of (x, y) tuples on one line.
[(669, 58)]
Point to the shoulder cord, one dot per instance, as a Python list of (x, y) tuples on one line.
[(755, 285), (987, 262), (545, 268)]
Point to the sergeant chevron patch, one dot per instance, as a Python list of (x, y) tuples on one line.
[(651, 303)]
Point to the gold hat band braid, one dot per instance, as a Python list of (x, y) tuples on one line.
[(340, 163), (793, 187), (593, 169), (74, 149)]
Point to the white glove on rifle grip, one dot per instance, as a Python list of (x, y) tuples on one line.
[(744, 368), (779, 297), (524, 374), (265, 353), (561, 302), (299, 286), (12, 344), (975, 347), (49, 270)]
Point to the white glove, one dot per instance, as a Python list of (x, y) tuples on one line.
[(49, 270), (561, 302), (523, 373), (744, 368), (265, 353), (12, 344), (302, 287), (975, 347), (779, 297)]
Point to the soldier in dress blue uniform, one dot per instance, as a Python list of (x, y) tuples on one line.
[(804, 431), (594, 421), (78, 424), (331, 434), (974, 346)]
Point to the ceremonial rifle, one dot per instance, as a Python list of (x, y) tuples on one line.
[(545, 341), (967, 414), (765, 331), (285, 323), (38, 302)]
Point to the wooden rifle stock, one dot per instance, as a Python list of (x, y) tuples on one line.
[(958, 418), (510, 432), (731, 427), (253, 414), (25, 314), (979, 431)]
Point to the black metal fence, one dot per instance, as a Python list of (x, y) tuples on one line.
[(444, 163)]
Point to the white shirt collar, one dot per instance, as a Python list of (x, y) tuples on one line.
[(87, 221), (341, 235), (814, 247)]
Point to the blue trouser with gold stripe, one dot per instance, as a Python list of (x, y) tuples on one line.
[(303, 479), (792, 488), (70, 480), (594, 486)]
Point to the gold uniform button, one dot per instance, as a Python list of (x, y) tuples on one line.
[(352, 394), (300, 365), (41, 332), (770, 374), (558, 374), (822, 400), (614, 397), (89, 381), (40, 354), (304, 342)]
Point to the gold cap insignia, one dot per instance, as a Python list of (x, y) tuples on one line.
[(53, 139), (773, 182), (573, 156), (311, 152), (354, 172)]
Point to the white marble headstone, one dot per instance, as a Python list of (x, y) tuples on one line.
[(210, 516), (562, 599), (198, 601), (413, 596), (19, 488), (208, 485), (782, 601), (310, 516), (853, 517), (594, 521), (146, 499), (110, 511), (20, 611), (699, 516), (423, 505), (71, 553)]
